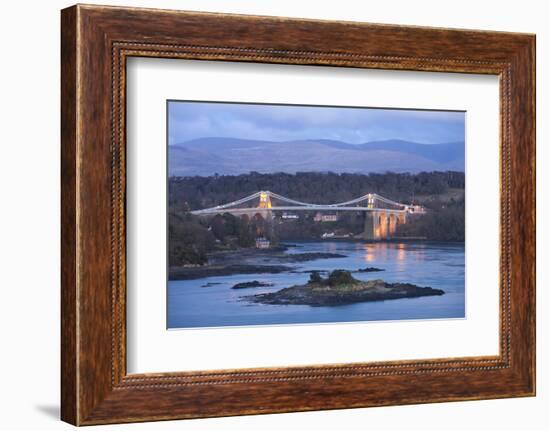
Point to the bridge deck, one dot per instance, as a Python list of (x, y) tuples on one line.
[(296, 208)]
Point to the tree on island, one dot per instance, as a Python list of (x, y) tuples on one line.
[(315, 277), (338, 277)]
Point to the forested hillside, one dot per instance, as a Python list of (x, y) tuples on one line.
[(190, 193)]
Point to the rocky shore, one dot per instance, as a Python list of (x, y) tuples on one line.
[(341, 288), (304, 257), (253, 261), (193, 273)]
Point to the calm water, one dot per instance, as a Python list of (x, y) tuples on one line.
[(438, 265)]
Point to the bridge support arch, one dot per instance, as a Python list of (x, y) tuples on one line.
[(392, 225), (372, 226), (382, 224)]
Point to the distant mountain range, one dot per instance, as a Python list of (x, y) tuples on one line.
[(232, 156)]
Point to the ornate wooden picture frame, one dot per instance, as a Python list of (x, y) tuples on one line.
[(96, 41)]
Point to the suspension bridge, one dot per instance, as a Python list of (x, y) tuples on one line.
[(382, 215)]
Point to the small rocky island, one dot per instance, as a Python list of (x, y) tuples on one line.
[(248, 284), (341, 288), (369, 269)]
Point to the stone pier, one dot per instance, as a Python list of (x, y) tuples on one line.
[(382, 224)]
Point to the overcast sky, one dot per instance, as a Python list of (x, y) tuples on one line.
[(192, 120)]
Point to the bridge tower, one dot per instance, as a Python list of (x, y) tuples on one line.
[(264, 206), (265, 200), (370, 200)]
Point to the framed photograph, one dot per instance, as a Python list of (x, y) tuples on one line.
[(264, 214)]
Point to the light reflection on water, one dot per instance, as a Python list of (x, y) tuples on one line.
[(438, 265)]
